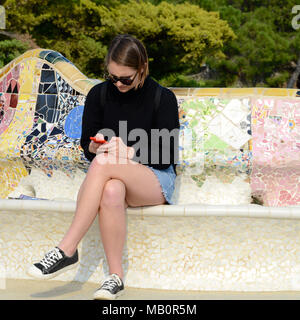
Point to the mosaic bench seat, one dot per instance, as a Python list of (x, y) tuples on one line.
[(239, 161)]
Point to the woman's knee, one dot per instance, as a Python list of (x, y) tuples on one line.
[(100, 165), (113, 194), (104, 159)]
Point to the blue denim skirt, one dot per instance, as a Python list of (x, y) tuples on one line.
[(166, 178)]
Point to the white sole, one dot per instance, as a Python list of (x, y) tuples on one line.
[(105, 295), (36, 273)]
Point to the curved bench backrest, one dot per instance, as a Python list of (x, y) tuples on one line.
[(247, 133)]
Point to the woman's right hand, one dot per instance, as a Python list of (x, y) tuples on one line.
[(93, 146)]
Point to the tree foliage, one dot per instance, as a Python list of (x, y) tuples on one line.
[(242, 42), (11, 49), (256, 57), (68, 26), (262, 50), (266, 45), (178, 37)]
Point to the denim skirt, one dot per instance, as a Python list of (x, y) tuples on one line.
[(166, 178)]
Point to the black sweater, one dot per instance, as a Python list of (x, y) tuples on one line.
[(137, 108)]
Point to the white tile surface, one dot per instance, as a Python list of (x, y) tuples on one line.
[(174, 253)]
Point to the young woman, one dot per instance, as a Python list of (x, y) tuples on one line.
[(120, 174)]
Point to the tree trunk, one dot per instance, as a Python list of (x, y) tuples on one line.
[(294, 76)]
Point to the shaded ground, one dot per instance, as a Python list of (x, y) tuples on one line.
[(59, 290)]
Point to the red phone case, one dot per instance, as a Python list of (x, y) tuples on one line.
[(97, 140)]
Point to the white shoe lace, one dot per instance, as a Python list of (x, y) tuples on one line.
[(110, 282), (50, 258)]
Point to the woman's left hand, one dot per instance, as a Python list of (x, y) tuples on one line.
[(117, 148)]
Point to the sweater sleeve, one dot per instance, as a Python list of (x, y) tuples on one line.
[(91, 120), (166, 120)]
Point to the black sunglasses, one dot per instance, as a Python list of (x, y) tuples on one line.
[(127, 81)]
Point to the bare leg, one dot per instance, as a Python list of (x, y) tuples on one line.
[(87, 206), (142, 188), (112, 223)]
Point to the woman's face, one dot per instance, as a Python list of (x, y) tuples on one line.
[(119, 71)]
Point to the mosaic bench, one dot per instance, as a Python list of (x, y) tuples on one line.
[(239, 161)]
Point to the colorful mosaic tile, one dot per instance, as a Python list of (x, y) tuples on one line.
[(214, 138), (227, 134), (37, 104), (12, 171), (275, 177)]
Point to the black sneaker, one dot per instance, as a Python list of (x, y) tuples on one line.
[(111, 288), (54, 263)]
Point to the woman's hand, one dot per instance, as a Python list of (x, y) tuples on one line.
[(93, 146), (116, 148)]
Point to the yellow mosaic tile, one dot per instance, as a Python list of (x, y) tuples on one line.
[(11, 140), (233, 92), (11, 173)]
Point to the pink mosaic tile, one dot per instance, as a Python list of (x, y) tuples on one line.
[(275, 177)]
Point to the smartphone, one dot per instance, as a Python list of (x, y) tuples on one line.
[(98, 140)]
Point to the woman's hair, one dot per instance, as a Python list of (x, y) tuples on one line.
[(128, 51)]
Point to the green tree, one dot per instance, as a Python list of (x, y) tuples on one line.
[(261, 53), (11, 49), (254, 58), (242, 42), (68, 26), (178, 37), (109, 3)]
